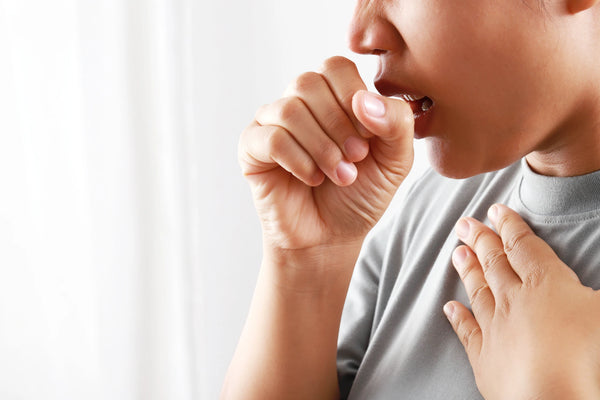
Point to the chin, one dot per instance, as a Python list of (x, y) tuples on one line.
[(460, 162), (451, 170)]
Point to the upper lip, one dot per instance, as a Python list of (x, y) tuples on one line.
[(389, 88), (390, 81)]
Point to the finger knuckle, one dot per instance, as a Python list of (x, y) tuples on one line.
[(337, 122), (345, 99), (493, 259), (514, 242), (309, 170), (337, 63), (244, 135), (468, 270), (477, 237), (275, 139), (261, 111), (467, 334), (307, 81), (504, 304), (243, 145), (478, 294), (534, 277), (503, 221), (290, 108), (470, 335), (328, 154)]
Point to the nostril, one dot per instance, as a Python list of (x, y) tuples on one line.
[(377, 52)]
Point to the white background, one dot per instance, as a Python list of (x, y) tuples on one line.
[(129, 246)]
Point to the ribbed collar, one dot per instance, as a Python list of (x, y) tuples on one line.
[(550, 195)]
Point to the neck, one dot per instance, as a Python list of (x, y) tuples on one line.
[(574, 149)]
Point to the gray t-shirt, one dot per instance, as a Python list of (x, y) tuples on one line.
[(395, 342)]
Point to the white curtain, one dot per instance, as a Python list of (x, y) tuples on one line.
[(96, 223)]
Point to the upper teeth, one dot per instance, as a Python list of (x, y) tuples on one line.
[(410, 97)]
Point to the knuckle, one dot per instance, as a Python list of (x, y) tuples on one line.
[(337, 122), (290, 108), (534, 277), (328, 154), (261, 111), (503, 222), (307, 81), (467, 271), (477, 237), (244, 135), (346, 99), (514, 242), (478, 294), (504, 305), (309, 168), (275, 139), (244, 144), (336, 63), (467, 335), (493, 258), (241, 146)]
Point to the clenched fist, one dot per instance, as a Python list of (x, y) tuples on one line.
[(325, 160)]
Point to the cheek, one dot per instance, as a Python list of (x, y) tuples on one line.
[(483, 120), (488, 131), (493, 96)]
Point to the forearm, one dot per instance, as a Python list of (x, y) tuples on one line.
[(289, 344)]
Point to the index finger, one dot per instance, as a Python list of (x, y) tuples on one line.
[(344, 81)]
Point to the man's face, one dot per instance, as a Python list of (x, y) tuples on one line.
[(498, 72)]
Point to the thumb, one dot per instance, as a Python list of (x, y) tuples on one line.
[(391, 123)]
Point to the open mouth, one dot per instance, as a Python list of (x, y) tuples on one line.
[(420, 105)]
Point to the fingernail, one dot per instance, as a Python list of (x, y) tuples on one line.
[(462, 228), (346, 172), (459, 256), (493, 213), (449, 310), (373, 105)]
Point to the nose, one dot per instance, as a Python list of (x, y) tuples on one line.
[(370, 31)]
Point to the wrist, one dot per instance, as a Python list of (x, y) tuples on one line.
[(317, 269)]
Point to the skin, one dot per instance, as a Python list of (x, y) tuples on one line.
[(324, 161), (534, 330), (488, 111)]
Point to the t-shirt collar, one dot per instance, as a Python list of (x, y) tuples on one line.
[(551, 195)]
